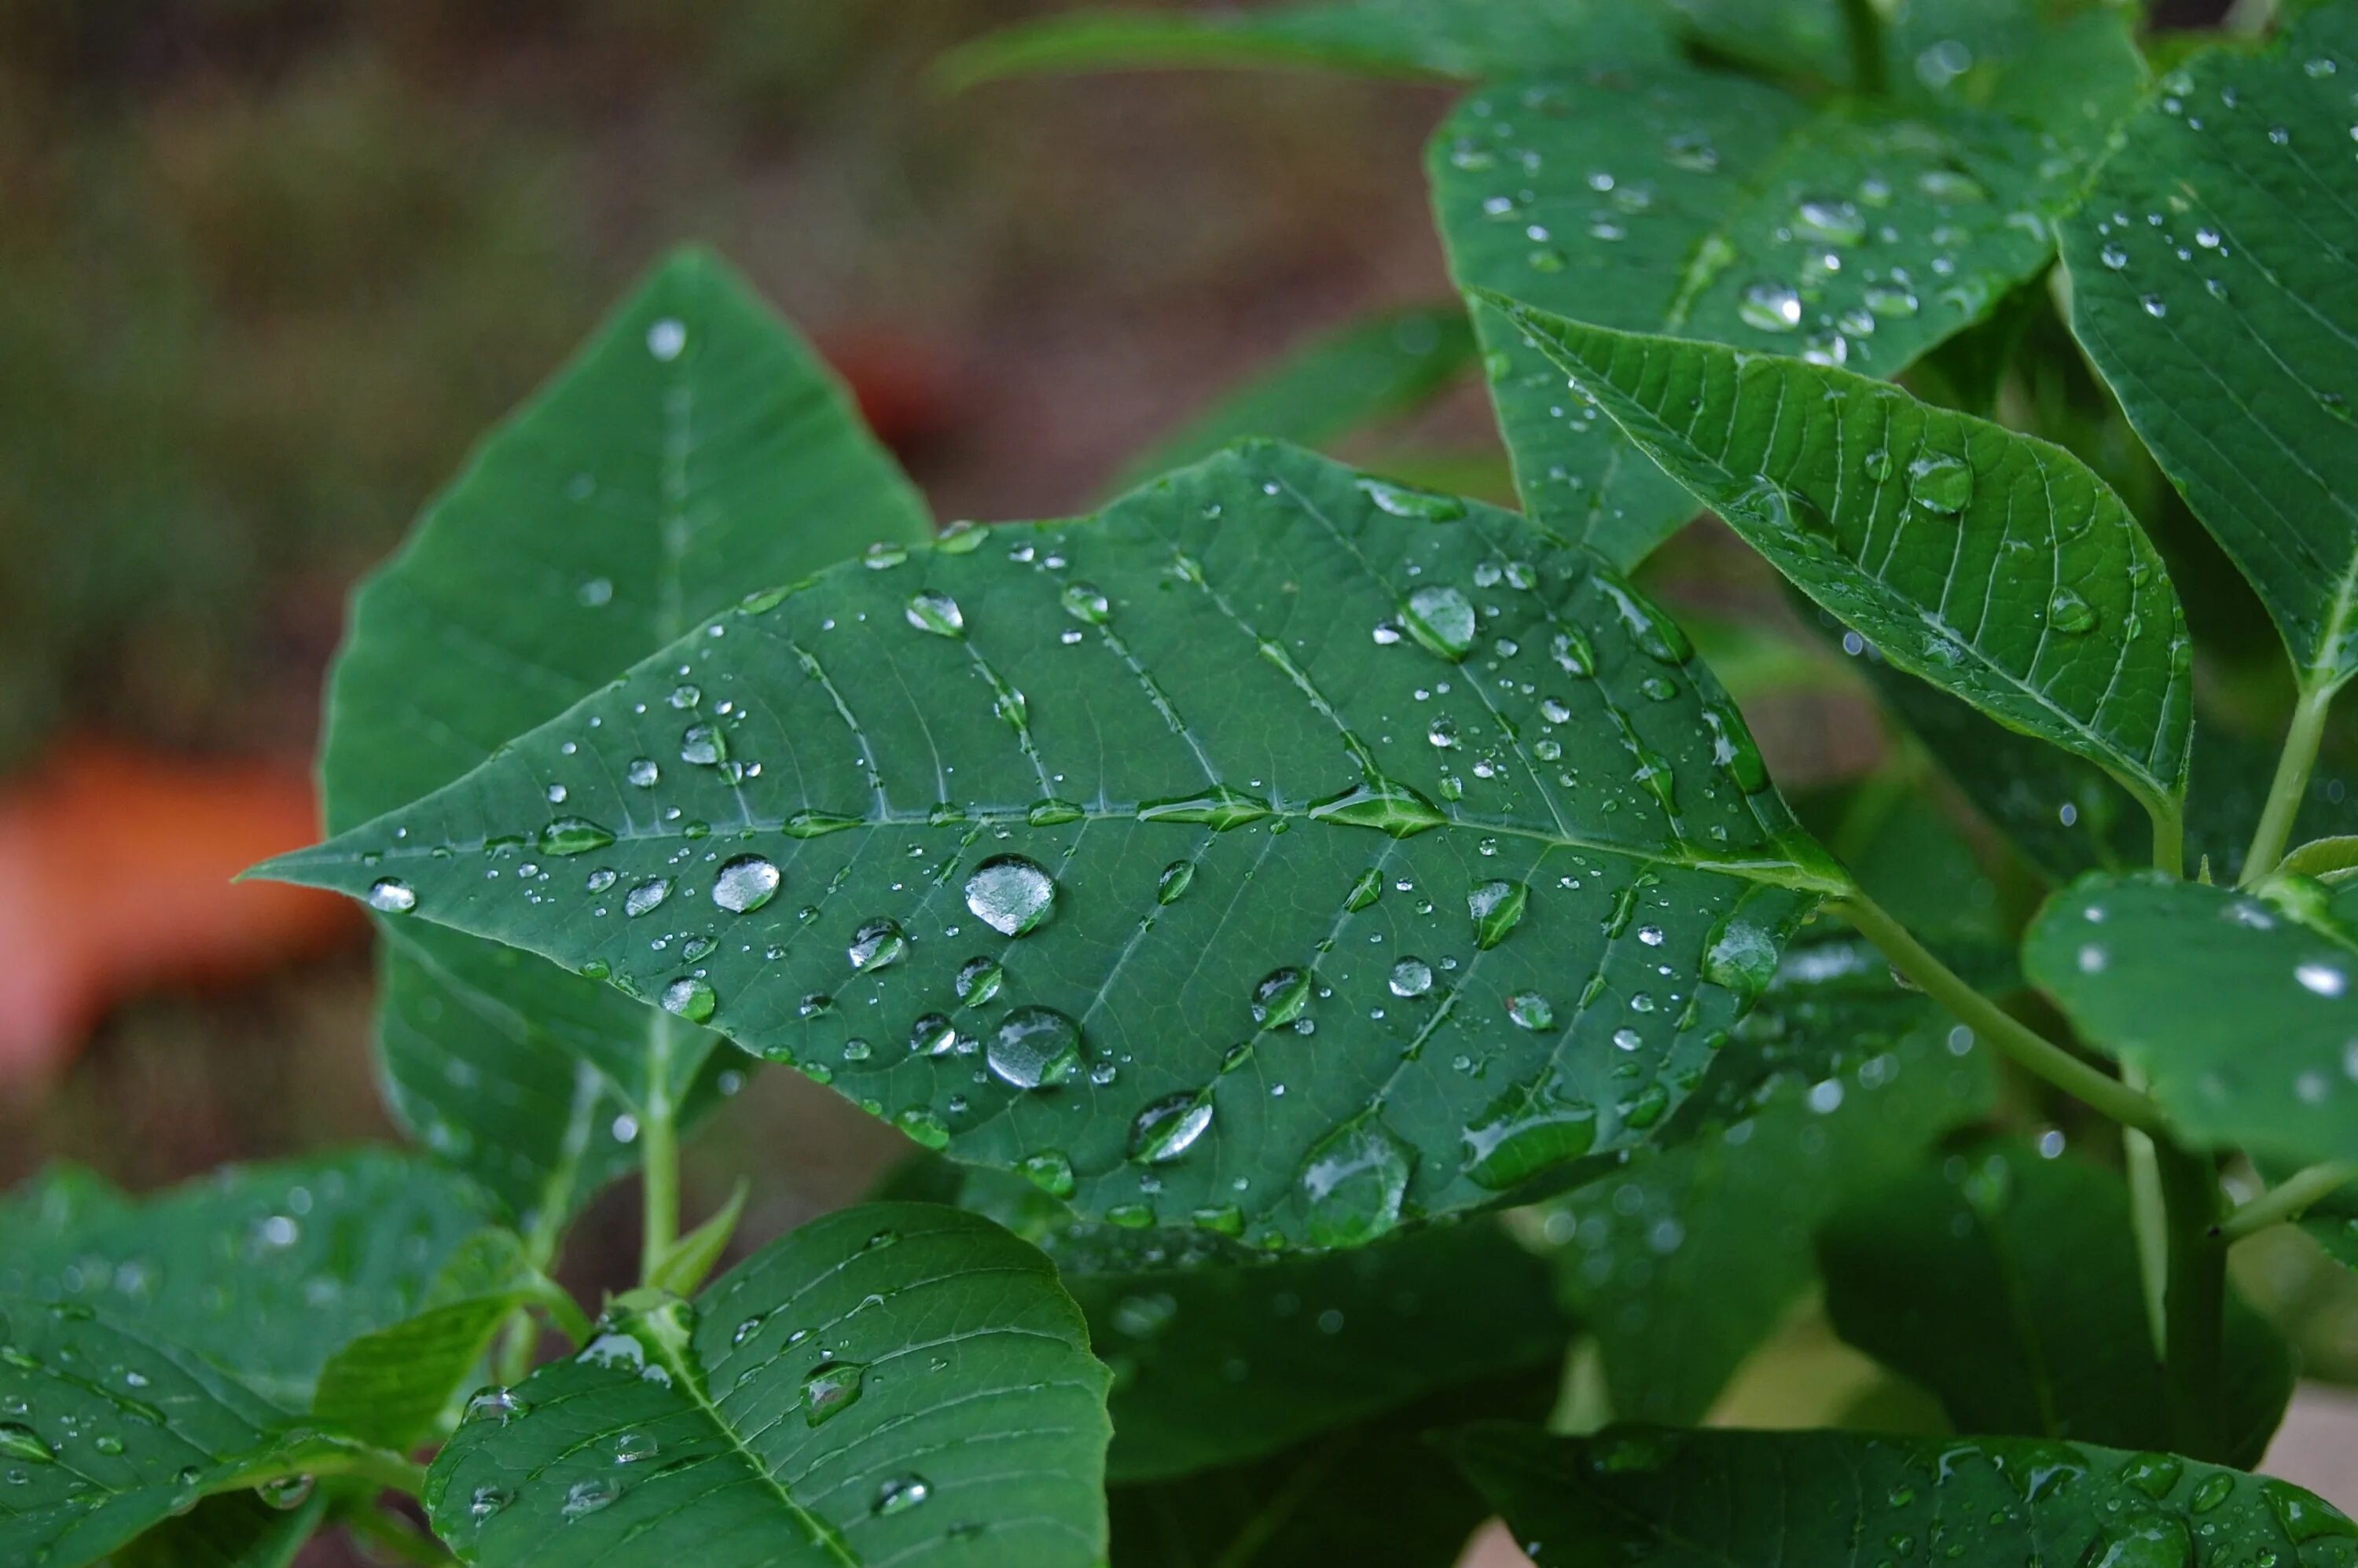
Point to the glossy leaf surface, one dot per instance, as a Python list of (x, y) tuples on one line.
[(1758, 1500), (1679, 201), (1687, 1260), (1281, 845), (2008, 1286), (1991, 564), (1462, 38), (2210, 283), (266, 1270), (892, 1383), (2239, 1011), (695, 451)]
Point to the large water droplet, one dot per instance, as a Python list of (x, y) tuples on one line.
[(1010, 894), (2305, 1516), (284, 1493), (1354, 1182), (2069, 613), (1496, 908), (703, 744), (2154, 1474), (392, 895), (829, 1388), (979, 980), (877, 945), (1742, 957), (690, 998), (1442, 618), (745, 884), (499, 1406), (1528, 1009), (646, 896), (1084, 602), (1942, 485), (1365, 889), (1170, 1126), (937, 612), (1051, 1171), (1279, 997), (1034, 1048), (1524, 1133), (573, 835), (1411, 977)]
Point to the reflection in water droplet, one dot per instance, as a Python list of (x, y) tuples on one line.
[(745, 884), (979, 980), (690, 998), (936, 613), (1939, 483), (19, 1440), (392, 895), (2069, 613), (877, 945), (573, 835), (2305, 1516), (1354, 1182), (1497, 908), (1051, 1171), (496, 1405), (1034, 1048), (1170, 1126), (1411, 977), (1010, 894), (829, 1388), (1443, 620), (1172, 885), (1531, 1011), (1279, 997)]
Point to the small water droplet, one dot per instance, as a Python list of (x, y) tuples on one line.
[(1524, 1133), (930, 610), (1528, 1009), (499, 1406), (690, 998), (19, 1440), (1940, 483), (573, 835), (586, 1498), (877, 945), (1770, 306), (1170, 1126), (1172, 885), (1496, 908), (643, 773), (704, 745), (900, 1493), (1405, 500), (1083, 601), (2069, 613), (829, 1388), (1051, 1171), (1443, 620), (979, 980), (646, 896), (486, 1501), (1411, 977), (1279, 997)]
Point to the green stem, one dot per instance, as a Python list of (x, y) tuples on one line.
[(2169, 840), (2301, 739), (2289, 1199), (659, 1155), (2016, 1040), (2197, 1300), (2148, 1221), (1864, 25)]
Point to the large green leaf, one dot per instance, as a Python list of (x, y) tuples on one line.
[(1675, 201), (1462, 38), (1992, 564), (892, 1383), (2239, 1012), (1370, 1493), (1060, 844), (107, 1428), (695, 451), (1685, 1262), (2008, 1285), (1376, 367), (1758, 1500), (236, 1531), (2210, 283), (265, 1269)]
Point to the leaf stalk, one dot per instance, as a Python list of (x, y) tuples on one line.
[(2302, 737), (2289, 1199)]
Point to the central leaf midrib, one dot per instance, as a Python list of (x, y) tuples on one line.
[(690, 1381)]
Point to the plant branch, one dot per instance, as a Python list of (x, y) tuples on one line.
[(2013, 1039), (1865, 27), (2149, 1221), (2302, 737), (658, 1153), (2289, 1199), (2196, 1305)]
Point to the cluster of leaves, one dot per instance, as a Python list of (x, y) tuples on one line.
[(1254, 888)]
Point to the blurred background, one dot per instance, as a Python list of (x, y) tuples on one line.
[(269, 266)]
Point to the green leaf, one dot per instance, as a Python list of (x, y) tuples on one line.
[(265, 1269), (396, 1386), (1461, 39), (1992, 564), (1220, 1357), (1079, 832), (892, 1383), (1374, 368), (1685, 1262), (641, 491), (236, 1531), (1675, 201), (2238, 1012), (1759, 1500), (107, 1428), (1369, 1493), (2008, 1286), (2209, 284)]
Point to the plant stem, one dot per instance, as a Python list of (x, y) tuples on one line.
[(2301, 738), (658, 1153), (2289, 1199), (2149, 1221), (1865, 27), (2168, 840), (2196, 1305), (2016, 1040)]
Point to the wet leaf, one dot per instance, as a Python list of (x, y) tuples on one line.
[(266, 1270), (639, 492), (1372, 369), (2008, 1286), (2238, 1009), (2209, 284), (1479, 861), (1461, 39), (1681, 202), (1686, 1261), (235, 1530), (1991, 564), (894, 1382), (1761, 1500)]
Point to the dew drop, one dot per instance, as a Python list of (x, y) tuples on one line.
[(937, 612), (1406, 500), (704, 745), (1411, 977), (1528, 1009), (392, 895), (498, 1406), (1496, 908), (1084, 602), (877, 945), (690, 998), (1034, 1048), (1172, 885), (585, 1498), (1051, 1171), (1441, 618), (1279, 997), (2069, 613), (573, 835), (1010, 894), (900, 1493), (19, 1440), (643, 773), (745, 884), (1170, 1126), (1942, 485), (979, 980), (1522, 1133), (1354, 1182), (1771, 307), (646, 896), (829, 1388)]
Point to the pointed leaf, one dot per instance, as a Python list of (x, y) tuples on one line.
[(1373, 369), (1761, 1499), (2210, 283), (1980, 561), (2008, 1285), (892, 1383), (1685, 1262), (1675, 201), (695, 451), (266, 1270), (1061, 843), (1462, 38), (2239, 1012)]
